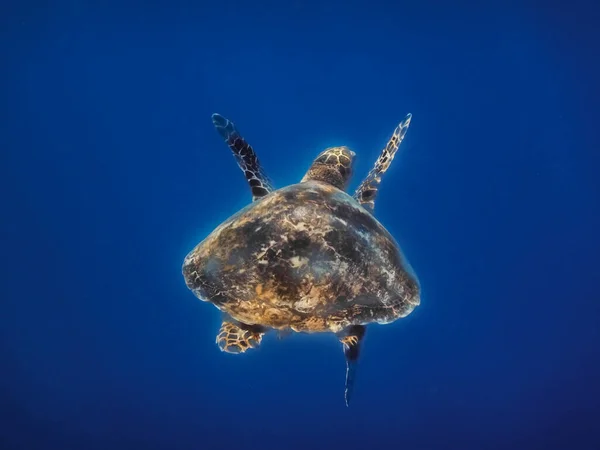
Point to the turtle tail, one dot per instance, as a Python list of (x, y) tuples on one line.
[(350, 377), (351, 339)]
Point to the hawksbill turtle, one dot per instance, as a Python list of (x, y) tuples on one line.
[(308, 257)]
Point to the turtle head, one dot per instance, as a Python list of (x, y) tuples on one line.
[(332, 166)]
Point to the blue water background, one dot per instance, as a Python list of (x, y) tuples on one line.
[(111, 172)]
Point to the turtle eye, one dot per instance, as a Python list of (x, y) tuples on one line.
[(345, 172)]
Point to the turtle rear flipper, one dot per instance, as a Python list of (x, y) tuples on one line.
[(237, 338), (247, 160), (351, 339), (367, 191)]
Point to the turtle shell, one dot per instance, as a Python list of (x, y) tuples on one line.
[(306, 257)]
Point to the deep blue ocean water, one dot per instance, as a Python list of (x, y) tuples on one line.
[(111, 171)]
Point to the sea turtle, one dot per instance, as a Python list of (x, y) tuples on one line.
[(305, 258)]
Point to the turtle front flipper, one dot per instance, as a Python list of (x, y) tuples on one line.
[(245, 157), (351, 339), (237, 338), (367, 191)]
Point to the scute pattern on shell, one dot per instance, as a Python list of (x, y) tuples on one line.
[(306, 257)]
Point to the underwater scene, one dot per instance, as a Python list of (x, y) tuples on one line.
[(300, 225)]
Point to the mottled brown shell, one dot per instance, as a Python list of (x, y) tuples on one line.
[(306, 257)]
